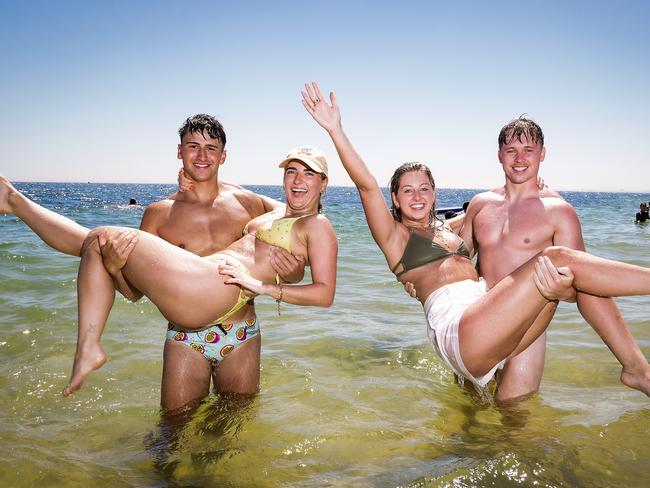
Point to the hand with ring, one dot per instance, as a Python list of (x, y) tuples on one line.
[(326, 114)]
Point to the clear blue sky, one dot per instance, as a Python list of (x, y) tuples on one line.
[(97, 92)]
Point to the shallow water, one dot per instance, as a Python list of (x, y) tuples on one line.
[(350, 396)]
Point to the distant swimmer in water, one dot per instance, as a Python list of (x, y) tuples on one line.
[(642, 215), (474, 329), (132, 201)]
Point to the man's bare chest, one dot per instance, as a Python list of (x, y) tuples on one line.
[(513, 227), (203, 231)]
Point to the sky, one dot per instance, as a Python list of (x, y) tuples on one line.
[(97, 92)]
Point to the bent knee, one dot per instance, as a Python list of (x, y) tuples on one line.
[(91, 241), (559, 255)]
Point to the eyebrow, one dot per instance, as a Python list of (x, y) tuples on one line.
[(194, 143)]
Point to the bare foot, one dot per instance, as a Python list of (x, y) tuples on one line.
[(86, 360), (637, 380), (6, 190)]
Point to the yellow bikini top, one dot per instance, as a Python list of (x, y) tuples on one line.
[(277, 232)]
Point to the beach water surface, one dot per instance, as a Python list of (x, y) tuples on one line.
[(353, 395)]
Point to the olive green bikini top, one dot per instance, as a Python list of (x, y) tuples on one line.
[(421, 250)]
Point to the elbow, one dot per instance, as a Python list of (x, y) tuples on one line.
[(322, 296), (328, 301)]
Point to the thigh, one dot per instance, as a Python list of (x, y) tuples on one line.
[(522, 373), (501, 321), (186, 376), (187, 289), (239, 372)]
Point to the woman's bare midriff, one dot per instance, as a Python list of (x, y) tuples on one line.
[(430, 277)]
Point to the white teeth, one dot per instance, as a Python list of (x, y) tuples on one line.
[(299, 190)]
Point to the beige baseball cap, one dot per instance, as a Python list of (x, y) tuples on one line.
[(311, 156)]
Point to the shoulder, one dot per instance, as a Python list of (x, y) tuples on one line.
[(494, 195), (314, 221), (555, 203), (155, 214), (316, 226), (160, 207), (255, 203), (559, 211), (490, 197)]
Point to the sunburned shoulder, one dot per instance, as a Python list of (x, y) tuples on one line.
[(553, 199), (557, 207)]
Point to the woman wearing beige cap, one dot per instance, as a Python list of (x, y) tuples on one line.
[(196, 292)]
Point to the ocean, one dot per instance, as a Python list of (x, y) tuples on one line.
[(353, 395)]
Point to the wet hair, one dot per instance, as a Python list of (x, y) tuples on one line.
[(203, 124), (393, 186), (320, 205), (521, 127)]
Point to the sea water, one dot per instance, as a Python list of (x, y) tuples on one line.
[(353, 395)]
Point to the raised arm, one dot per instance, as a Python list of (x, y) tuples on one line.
[(327, 115)]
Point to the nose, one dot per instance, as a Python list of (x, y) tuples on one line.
[(203, 154)]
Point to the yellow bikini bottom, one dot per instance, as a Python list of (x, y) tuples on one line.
[(242, 299)]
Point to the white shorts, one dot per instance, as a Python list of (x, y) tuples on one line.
[(444, 308)]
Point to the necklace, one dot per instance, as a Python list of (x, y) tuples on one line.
[(438, 231)]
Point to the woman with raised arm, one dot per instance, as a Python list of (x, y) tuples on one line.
[(473, 330), (195, 292)]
